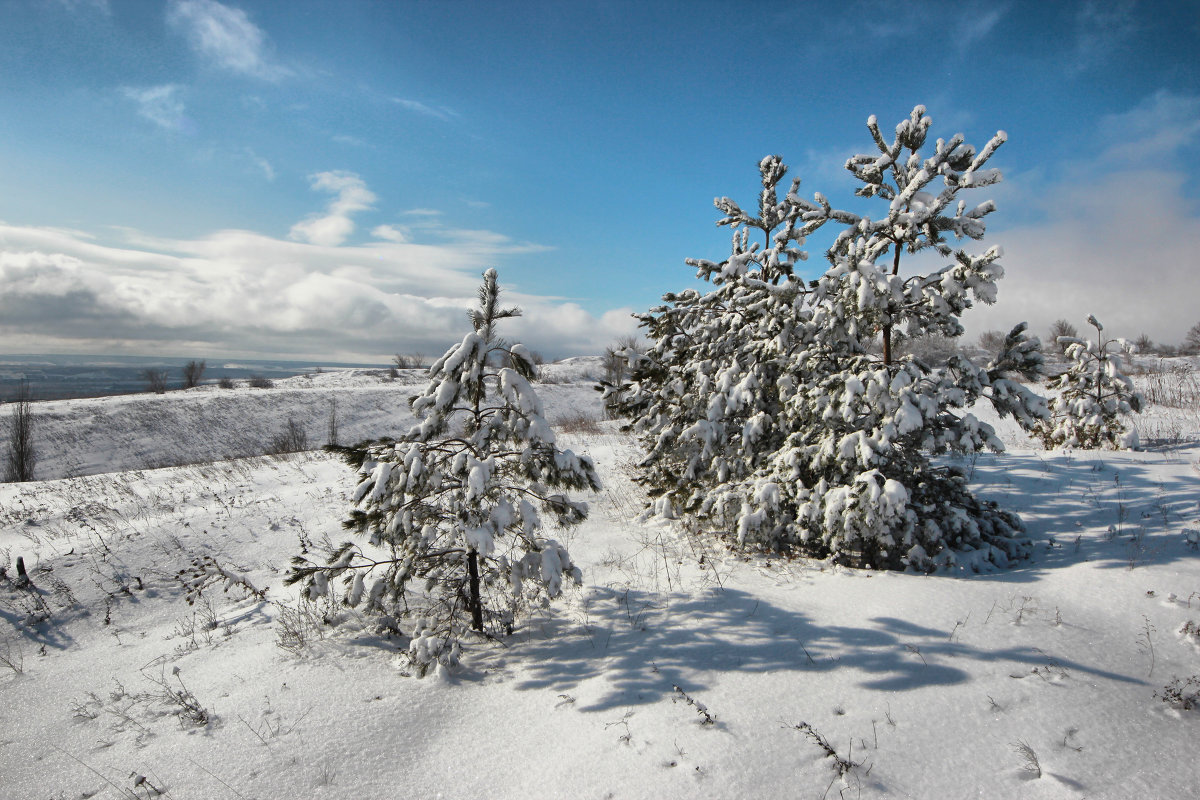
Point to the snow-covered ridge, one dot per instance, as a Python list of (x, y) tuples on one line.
[(207, 423)]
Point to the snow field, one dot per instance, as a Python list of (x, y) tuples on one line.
[(922, 684)]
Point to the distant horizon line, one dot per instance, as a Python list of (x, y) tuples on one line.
[(184, 359)]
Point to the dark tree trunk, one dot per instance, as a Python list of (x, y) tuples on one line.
[(474, 600)]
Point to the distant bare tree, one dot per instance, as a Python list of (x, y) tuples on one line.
[(21, 455), (332, 433), (616, 366), (1062, 328), (929, 347), (1144, 344), (193, 373), (156, 380), (992, 341), (408, 360), (1191, 342)]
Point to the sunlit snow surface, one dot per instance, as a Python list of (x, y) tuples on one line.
[(924, 683)]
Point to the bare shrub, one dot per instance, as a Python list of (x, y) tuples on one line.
[(193, 373), (292, 439), (578, 422), (408, 360), (259, 382), (331, 429), (12, 655), (21, 454), (930, 347), (297, 626), (226, 382), (156, 380), (992, 341), (1182, 693), (1062, 327), (1029, 758), (1173, 386)]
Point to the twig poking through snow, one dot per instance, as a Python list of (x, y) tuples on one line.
[(701, 709), (1029, 758), (843, 765)]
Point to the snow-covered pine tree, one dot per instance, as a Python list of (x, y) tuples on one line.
[(1093, 394), (705, 397), (779, 412), (452, 514)]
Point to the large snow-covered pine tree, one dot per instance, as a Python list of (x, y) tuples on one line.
[(453, 515), (780, 412)]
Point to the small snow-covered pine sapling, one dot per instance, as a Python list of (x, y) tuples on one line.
[(1093, 394), (451, 515), (783, 413)]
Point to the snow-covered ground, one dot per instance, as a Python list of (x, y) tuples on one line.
[(111, 685), (207, 423)]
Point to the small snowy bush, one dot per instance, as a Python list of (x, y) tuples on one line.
[(1094, 393), (787, 414), (452, 514)]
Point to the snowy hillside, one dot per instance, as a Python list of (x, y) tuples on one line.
[(138, 431), (678, 669)]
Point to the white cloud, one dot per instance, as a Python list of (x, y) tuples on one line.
[(389, 233), (239, 293), (1116, 235), (267, 170), (1101, 28), (1122, 247), (976, 21), (351, 195), (159, 104), (438, 112), (226, 36), (1155, 130), (352, 141)]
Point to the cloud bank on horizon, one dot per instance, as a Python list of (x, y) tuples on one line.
[(324, 181), (241, 293)]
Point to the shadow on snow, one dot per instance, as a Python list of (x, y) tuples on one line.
[(1117, 510), (640, 645)]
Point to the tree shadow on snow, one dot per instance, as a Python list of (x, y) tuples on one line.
[(1117, 510), (634, 647)]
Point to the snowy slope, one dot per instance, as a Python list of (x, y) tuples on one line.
[(109, 434), (923, 684)]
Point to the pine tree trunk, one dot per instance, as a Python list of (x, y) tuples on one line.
[(474, 600), (887, 326)]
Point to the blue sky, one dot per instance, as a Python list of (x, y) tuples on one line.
[(328, 180)]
